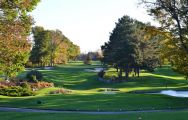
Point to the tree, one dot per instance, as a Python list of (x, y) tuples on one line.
[(148, 45), (131, 47), (61, 55), (35, 54), (172, 15), (88, 59), (177, 57), (121, 50), (15, 26), (55, 42), (62, 48), (73, 50), (40, 52), (52, 47)]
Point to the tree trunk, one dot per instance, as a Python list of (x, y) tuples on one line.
[(120, 73), (135, 70), (51, 57), (138, 71), (180, 33), (127, 72), (117, 69), (51, 60)]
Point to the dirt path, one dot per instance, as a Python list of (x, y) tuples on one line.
[(10, 109)]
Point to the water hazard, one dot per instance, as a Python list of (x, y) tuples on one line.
[(175, 93)]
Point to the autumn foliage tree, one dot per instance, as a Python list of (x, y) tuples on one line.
[(51, 47), (148, 45), (15, 26), (172, 15)]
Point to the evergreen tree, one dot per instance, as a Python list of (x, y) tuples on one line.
[(122, 48), (130, 48)]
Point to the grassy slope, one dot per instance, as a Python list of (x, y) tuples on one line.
[(181, 115), (85, 86)]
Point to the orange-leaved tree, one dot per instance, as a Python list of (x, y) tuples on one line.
[(15, 26)]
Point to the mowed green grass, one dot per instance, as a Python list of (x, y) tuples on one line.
[(180, 115), (85, 86), (73, 76)]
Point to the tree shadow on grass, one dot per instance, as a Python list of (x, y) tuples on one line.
[(87, 81), (75, 78), (71, 77)]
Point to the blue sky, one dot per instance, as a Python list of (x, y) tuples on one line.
[(87, 23)]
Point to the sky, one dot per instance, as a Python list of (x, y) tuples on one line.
[(87, 23)]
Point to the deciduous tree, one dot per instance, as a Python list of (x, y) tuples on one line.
[(15, 26), (173, 17)]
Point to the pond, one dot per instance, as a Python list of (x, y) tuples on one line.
[(174, 93)]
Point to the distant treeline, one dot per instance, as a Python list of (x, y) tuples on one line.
[(95, 56), (51, 47)]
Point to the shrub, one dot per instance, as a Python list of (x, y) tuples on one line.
[(25, 85), (111, 75), (27, 92), (5, 83), (41, 85), (15, 91), (34, 76), (60, 91)]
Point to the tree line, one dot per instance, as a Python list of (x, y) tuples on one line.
[(51, 47)]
